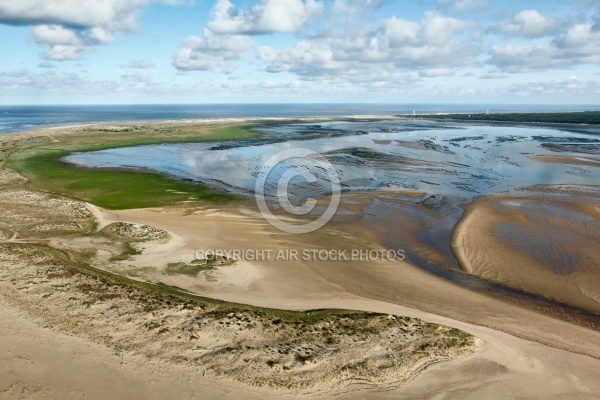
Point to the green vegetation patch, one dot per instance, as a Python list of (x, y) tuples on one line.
[(140, 272), (117, 189), (128, 252), (182, 268)]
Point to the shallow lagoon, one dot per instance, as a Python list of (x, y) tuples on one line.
[(456, 159)]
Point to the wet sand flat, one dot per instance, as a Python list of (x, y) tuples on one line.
[(545, 245), (301, 284), (585, 161)]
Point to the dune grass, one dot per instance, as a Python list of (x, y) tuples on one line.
[(116, 189)]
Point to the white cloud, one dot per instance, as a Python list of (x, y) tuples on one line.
[(137, 76), (400, 32), (578, 45), (65, 44), (494, 74), (226, 37), (435, 72), (270, 86), (17, 81), (434, 45), (570, 87), (267, 16), (81, 23), (62, 86), (438, 28), (211, 51), (99, 35), (580, 38), (53, 35), (139, 64), (528, 24), (524, 58), (117, 15), (61, 52)]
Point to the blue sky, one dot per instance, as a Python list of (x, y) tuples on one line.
[(204, 51)]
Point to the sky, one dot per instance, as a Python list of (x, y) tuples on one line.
[(299, 51)]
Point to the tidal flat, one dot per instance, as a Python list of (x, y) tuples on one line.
[(115, 266)]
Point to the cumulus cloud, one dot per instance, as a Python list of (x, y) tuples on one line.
[(70, 27), (524, 58), (116, 14), (528, 24), (211, 51), (579, 44), (434, 45), (54, 34), (581, 39), (226, 39), (139, 64), (65, 44), (267, 16)]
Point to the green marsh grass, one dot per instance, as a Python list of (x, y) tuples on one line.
[(117, 189)]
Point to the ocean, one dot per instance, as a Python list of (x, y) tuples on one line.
[(24, 118)]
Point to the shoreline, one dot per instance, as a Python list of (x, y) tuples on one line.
[(206, 121), (317, 118)]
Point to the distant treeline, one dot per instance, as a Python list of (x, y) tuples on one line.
[(586, 117)]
